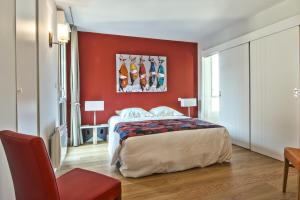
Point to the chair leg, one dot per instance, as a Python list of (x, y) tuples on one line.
[(298, 185), (285, 174)]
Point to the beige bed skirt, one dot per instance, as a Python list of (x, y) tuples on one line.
[(174, 151)]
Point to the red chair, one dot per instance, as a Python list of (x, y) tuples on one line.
[(34, 179)]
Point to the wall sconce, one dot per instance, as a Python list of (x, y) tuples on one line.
[(63, 35), (63, 31)]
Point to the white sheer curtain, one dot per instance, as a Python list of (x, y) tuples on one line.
[(210, 89), (76, 136)]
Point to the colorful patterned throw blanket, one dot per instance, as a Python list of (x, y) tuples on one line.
[(132, 129)]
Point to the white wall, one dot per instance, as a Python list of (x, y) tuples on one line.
[(7, 89), (269, 16), (48, 70)]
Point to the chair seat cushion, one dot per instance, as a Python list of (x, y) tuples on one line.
[(79, 184), (293, 155)]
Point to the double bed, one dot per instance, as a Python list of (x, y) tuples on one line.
[(168, 151)]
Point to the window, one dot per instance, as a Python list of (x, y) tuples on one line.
[(215, 87), (62, 82), (210, 88)]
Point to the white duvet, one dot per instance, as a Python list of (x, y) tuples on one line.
[(170, 152)]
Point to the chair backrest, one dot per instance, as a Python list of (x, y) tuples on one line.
[(30, 167)]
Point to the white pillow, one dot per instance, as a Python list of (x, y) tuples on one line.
[(131, 113), (164, 111), (118, 112)]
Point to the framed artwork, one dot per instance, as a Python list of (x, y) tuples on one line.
[(141, 73)]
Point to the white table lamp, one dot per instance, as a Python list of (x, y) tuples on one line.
[(94, 106), (188, 102)]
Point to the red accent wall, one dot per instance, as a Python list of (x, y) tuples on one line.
[(97, 54)]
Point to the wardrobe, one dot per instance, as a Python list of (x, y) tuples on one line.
[(259, 101), (274, 83), (28, 75)]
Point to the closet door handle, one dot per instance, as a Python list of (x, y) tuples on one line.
[(295, 92), (20, 90)]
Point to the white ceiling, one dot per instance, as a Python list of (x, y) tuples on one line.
[(186, 20)]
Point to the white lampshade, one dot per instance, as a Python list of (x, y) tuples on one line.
[(188, 102), (63, 32), (63, 28), (94, 105), (61, 17)]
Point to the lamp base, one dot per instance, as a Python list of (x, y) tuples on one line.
[(95, 118), (189, 111)]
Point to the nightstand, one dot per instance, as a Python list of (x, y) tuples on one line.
[(94, 127)]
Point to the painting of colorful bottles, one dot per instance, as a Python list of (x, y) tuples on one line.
[(141, 73)]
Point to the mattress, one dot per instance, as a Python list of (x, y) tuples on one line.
[(168, 152)]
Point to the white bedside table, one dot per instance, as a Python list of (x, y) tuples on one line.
[(94, 127)]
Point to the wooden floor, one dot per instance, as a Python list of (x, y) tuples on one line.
[(249, 176)]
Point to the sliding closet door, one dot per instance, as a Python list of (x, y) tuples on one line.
[(234, 100), (274, 98), (26, 67)]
